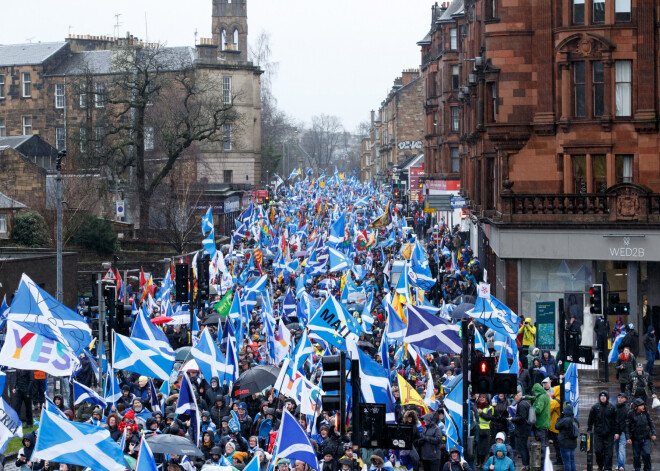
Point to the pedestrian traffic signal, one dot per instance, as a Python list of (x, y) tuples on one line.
[(596, 299), (333, 382), (505, 383), (181, 282), (483, 375), (203, 278)]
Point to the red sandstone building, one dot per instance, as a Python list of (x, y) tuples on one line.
[(548, 112)]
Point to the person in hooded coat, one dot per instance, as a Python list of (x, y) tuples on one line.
[(602, 420), (566, 438), (429, 444), (219, 410), (549, 363), (208, 443), (499, 461), (631, 340), (542, 409), (23, 459)]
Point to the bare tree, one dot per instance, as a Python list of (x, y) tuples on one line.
[(321, 140)]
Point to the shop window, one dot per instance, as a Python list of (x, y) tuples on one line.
[(580, 174), (623, 168), (622, 11), (599, 164), (578, 12), (623, 88), (598, 7), (598, 84), (579, 89)]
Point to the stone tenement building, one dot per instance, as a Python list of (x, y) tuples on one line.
[(59, 90), (548, 110), (397, 129)]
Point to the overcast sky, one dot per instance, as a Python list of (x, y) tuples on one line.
[(336, 57)]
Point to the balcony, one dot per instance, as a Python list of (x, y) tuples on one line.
[(624, 202)]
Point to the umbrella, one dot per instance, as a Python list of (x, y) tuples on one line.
[(256, 380), (173, 444), (190, 365), (366, 345), (211, 319), (301, 253), (465, 298), (460, 311), (180, 319), (161, 320), (292, 326), (182, 353), (355, 307)]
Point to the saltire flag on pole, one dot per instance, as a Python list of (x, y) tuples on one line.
[(145, 461), (420, 272), (82, 393), (430, 332), (10, 424), (153, 397), (396, 328), (37, 311), (145, 331), (140, 357), (293, 442), (454, 405), (333, 324), (494, 314), (338, 261), (572, 389), (112, 389), (188, 405), (208, 233), (80, 444), (24, 349), (375, 382), (480, 343), (451, 432), (211, 361)]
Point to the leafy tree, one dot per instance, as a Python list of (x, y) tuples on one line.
[(30, 230), (95, 234)]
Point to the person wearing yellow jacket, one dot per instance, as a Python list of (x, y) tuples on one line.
[(553, 433), (528, 332)]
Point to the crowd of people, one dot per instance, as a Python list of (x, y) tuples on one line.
[(504, 427)]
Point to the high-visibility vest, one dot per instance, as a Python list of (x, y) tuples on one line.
[(483, 423)]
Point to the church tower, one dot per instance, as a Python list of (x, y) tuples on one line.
[(230, 29)]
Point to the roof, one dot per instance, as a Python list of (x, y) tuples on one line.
[(426, 40), (8, 203), (410, 161), (13, 141), (456, 8), (28, 54)]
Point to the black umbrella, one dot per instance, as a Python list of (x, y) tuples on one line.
[(460, 311), (464, 298), (182, 353), (367, 345), (256, 380), (292, 326), (172, 444), (211, 319)]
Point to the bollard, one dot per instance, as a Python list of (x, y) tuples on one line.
[(535, 457)]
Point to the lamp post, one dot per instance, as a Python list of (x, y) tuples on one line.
[(58, 179)]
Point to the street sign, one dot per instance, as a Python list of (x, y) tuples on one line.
[(439, 202), (457, 202), (109, 275), (121, 209)]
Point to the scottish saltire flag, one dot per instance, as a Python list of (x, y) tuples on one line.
[(102, 359), (375, 382), (188, 405), (302, 351), (293, 442), (51, 407), (452, 434), (145, 461), (337, 231), (384, 352), (10, 424), (420, 273), (366, 317), (145, 331), (112, 390), (165, 287), (153, 397), (454, 405), (24, 349), (139, 356), (3, 312), (85, 445), (289, 304), (338, 261), (211, 361), (614, 353), (480, 343), (572, 387), (333, 324), (294, 174), (396, 328), (253, 465), (3, 380), (505, 343), (209, 234), (37, 311), (495, 315), (430, 332), (82, 393)]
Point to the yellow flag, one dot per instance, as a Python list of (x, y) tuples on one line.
[(407, 251), (409, 395), (396, 305)]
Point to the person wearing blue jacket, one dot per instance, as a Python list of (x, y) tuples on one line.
[(499, 462)]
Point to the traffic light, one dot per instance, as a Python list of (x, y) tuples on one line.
[(203, 279), (334, 379), (505, 383), (483, 375), (596, 299), (181, 282)]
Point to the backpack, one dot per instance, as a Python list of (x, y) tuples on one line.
[(575, 431), (531, 415)]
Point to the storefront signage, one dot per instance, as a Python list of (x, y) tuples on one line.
[(443, 185), (625, 251), (232, 204), (415, 190), (545, 325)]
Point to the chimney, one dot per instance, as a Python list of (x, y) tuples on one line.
[(373, 116), (207, 51), (409, 75)]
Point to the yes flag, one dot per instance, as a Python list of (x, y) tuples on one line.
[(492, 313), (140, 357), (84, 445), (430, 332), (37, 311), (293, 442)]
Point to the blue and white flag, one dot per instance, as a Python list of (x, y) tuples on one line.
[(52, 407), (385, 352), (396, 328), (102, 359), (302, 351), (294, 174), (112, 389), (144, 330), (480, 343), (495, 315), (451, 431), (572, 387), (253, 465), (82, 393), (293, 442), (503, 363), (3, 380), (10, 425), (454, 405), (140, 357), (188, 405), (211, 361), (614, 353), (338, 261), (3, 312), (37, 311), (375, 382), (289, 304), (337, 231), (146, 460), (333, 324), (420, 273), (209, 234), (85, 445), (153, 397), (430, 332)]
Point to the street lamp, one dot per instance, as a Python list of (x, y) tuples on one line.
[(58, 179)]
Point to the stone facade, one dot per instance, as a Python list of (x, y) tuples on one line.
[(22, 180)]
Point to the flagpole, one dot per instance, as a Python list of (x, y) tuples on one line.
[(466, 395)]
